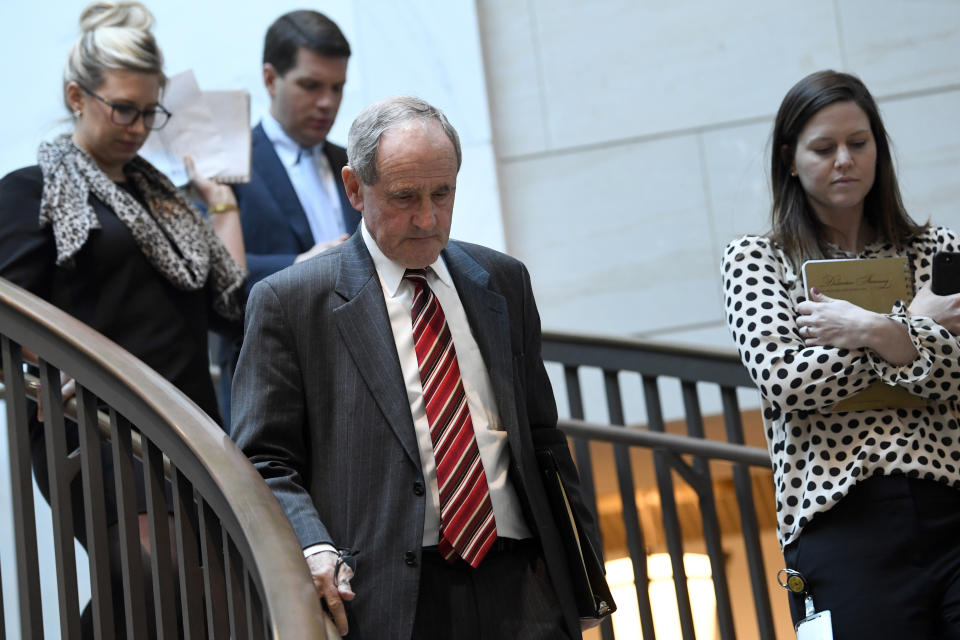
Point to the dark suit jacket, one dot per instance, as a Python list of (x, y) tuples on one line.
[(321, 410), (275, 228)]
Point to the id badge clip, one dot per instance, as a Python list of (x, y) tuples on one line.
[(816, 625)]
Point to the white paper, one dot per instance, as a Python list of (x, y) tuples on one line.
[(211, 126)]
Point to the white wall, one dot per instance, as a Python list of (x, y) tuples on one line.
[(631, 137)]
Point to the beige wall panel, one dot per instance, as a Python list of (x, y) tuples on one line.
[(620, 124), (476, 214), (617, 239), (623, 68), (901, 45), (513, 77), (925, 131), (736, 161)]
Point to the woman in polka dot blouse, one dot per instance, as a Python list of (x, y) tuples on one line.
[(868, 505)]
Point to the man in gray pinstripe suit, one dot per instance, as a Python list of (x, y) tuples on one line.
[(329, 406)]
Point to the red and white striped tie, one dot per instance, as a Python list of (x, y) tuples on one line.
[(467, 526)]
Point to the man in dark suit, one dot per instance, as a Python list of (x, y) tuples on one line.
[(392, 394), (294, 206)]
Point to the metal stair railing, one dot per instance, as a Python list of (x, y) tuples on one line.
[(231, 567), (685, 456)]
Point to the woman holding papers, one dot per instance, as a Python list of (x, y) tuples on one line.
[(868, 503), (99, 232)]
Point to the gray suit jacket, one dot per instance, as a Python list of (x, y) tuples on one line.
[(320, 409)]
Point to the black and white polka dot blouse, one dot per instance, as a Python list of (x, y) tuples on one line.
[(817, 455)]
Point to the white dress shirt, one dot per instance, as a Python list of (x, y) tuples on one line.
[(491, 437), (312, 179)]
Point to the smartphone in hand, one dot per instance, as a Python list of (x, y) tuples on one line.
[(946, 273)]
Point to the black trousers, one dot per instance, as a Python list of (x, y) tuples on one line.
[(508, 596), (885, 561)]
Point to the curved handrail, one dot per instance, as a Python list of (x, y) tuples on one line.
[(192, 441)]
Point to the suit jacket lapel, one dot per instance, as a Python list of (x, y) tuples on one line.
[(365, 327), (278, 184), (489, 320)]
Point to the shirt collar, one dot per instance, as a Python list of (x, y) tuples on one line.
[(391, 273), (287, 149)]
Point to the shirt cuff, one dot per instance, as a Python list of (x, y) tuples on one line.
[(911, 372), (317, 548)]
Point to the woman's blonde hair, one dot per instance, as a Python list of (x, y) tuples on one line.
[(112, 36)]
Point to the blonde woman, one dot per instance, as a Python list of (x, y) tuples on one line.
[(97, 231)]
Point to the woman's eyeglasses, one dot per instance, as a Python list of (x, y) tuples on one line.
[(126, 115)]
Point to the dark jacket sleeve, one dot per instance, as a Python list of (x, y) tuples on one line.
[(27, 250), (259, 265), (269, 413), (542, 410)]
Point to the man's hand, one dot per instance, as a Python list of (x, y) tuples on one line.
[(333, 586), (319, 248)]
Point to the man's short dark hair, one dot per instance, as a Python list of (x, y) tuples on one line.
[(303, 28)]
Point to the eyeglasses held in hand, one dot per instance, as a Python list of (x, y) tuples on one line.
[(126, 115)]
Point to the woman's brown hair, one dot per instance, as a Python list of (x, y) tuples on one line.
[(794, 225)]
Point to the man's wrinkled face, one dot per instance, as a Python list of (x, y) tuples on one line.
[(409, 209)]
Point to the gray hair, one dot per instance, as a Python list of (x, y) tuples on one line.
[(363, 141), (112, 36)]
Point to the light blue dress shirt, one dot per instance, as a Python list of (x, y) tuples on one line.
[(312, 179)]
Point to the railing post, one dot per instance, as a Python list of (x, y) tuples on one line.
[(128, 523), (21, 489), (61, 502), (748, 518), (188, 557), (256, 624), (708, 514), (581, 446), (98, 554), (214, 573), (631, 517), (581, 449), (234, 581), (669, 513), (162, 565)]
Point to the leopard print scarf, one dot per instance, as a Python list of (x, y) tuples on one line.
[(173, 235)]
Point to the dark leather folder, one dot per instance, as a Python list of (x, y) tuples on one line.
[(586, 569)]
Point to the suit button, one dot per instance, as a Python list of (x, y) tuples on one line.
[(418, 488), (410, 558)]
